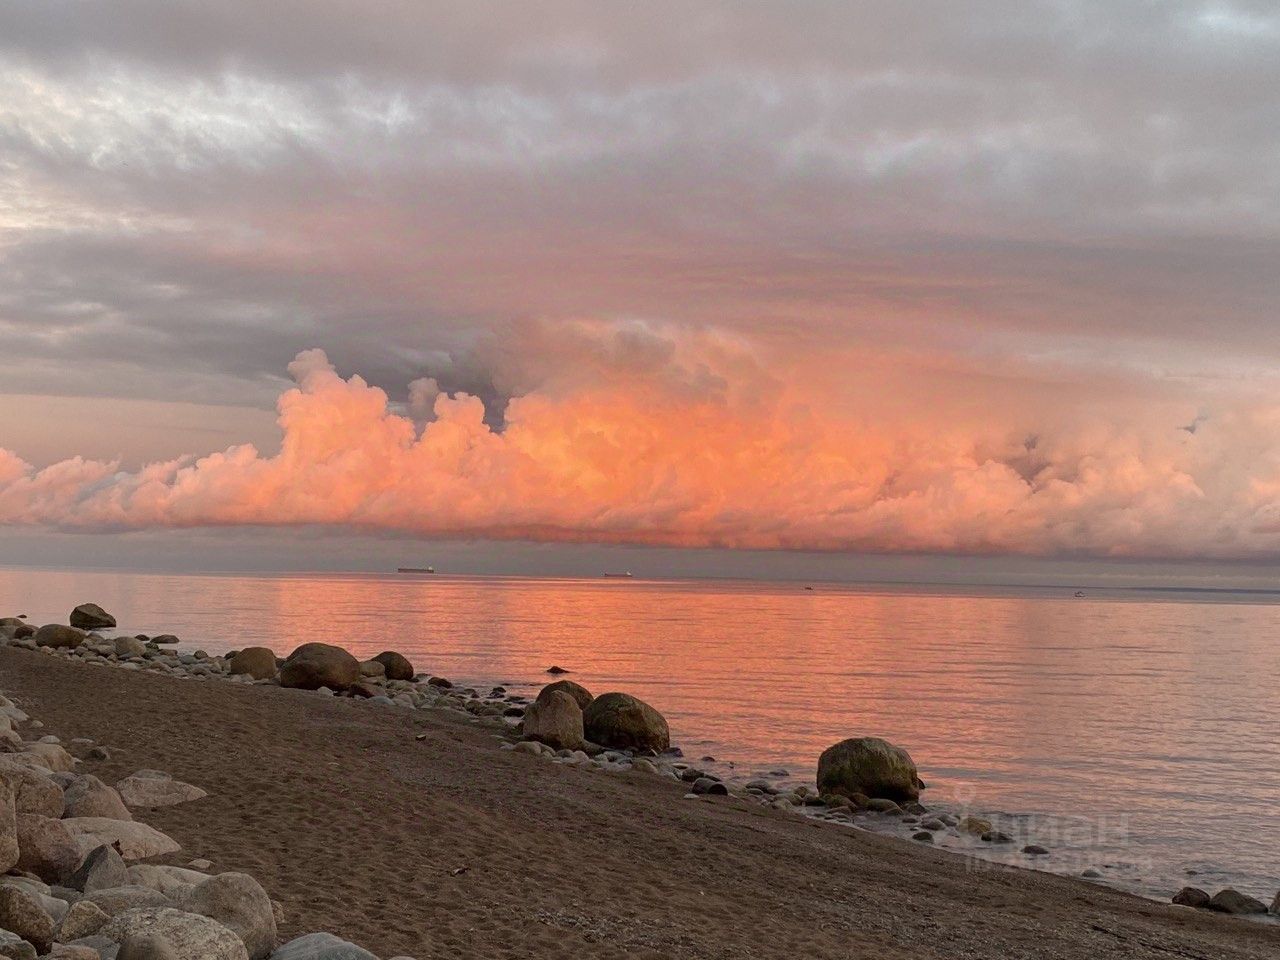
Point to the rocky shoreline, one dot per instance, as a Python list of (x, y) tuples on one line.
[(864, 782)]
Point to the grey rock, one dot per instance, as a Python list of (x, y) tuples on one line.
[(20, 913), (135, 841), (151, 788), (556, 721), (116, 900), (238, 902), (256, 662), (624, 722), (395, 666), (316, 665), (14, 947), (1233, 901), (84, 919), (321, 946), (576, 690), (101, 869), (59, 637), (46, 847), (1192, 897), (191, 936)]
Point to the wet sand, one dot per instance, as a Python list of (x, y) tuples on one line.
[(448, 846)]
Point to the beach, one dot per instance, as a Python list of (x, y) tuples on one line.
[(411, 832)]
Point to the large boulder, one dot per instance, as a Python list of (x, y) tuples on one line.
[(238, 902), (191, 936), (321, 946), (58, 636), (622, 721), (135, 841), (152, 788), (173, 882), (35, 791), (256, 662), (868, 766), (84, 919), (576, 690), (396, 665), (316, 665), (8, 821), (46, 847), (90, 797), (102, 869), (555, 720), (90, 616), (1233, 901), (20, 913), (116, 900)]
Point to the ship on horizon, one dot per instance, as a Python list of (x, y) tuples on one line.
[(415, 569)]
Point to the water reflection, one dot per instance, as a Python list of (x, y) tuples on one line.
[(1160, 711)]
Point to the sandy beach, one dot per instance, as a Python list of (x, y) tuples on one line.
[(411, 832)]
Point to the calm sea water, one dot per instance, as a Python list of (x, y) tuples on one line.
[(1133, 733)]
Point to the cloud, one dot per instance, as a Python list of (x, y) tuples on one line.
[(662, 436)]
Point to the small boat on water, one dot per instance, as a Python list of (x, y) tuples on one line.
[(415, 569), (625, 574), (1079, 594)]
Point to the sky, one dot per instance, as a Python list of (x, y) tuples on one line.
[(704, 286)]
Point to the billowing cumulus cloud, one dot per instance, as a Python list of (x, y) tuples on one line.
[(847, 275), (637, 435)]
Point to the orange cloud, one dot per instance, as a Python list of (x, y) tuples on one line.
[(624, 434)]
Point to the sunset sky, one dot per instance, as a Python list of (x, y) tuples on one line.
[(296, 284)]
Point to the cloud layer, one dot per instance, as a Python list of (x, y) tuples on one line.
[(635, 435)]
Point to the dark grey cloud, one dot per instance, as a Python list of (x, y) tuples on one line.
[(189, 193)]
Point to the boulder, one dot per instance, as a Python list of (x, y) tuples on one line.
[(127, 647), (321, 946), (173, 882), (46, 847), (90, 797), (372, 669), (51, 756), (256, 662), (14, 947), (555, 720), (59, 637), (84, 919), (165, 639), (191, 936), (316, 665), (238, 902), (102, 869), (135, 841), (1192, 897), (21, 914), (1233, 901), (147, 946), (8, 821), (90, 616), (35, 792), (974, 825), (116, 900), (623, 722), (581, 695), (151, 788), (396, 665), (870, 766)]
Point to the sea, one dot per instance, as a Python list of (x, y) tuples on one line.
[(1132, 733)]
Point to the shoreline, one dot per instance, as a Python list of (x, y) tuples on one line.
[(588, 814)]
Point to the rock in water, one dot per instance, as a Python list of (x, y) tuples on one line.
[(625, 722), (257, 662), (191, 936), (555, 721), (321, 946), (238, 902), (1192, 897), (151, 788), (397, 666), (316, 665), (59, 637), (90, 616), (576, 690), (869, 766), (1233, 901)]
